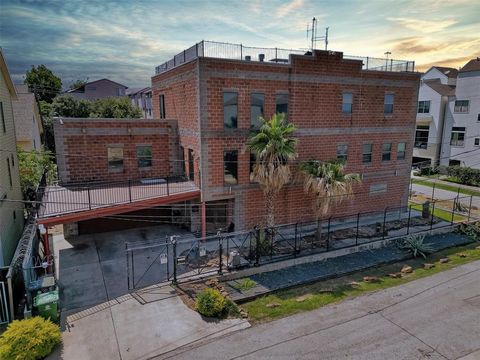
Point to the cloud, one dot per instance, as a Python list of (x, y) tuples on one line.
[(423, 26), (288, 8), (413, 45)]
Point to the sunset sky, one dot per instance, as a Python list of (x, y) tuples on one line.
[(124, 40)]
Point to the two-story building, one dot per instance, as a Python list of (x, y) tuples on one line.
[(142, 98), (11, 206), (98, 89)]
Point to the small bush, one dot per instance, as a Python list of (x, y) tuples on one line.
[(415, 245), (29, 339), (472, 231), (464, 175), (245, 285), (210, 303)]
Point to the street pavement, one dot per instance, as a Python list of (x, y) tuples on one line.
[(441, 194), (432, 318)]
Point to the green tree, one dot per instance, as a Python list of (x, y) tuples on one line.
[(274, 146), (31, 167), (329, 185), (68, 106), (43, 82), (115, 107), (46, 111), (76, 84)]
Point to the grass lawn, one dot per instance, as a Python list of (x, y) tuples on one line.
[(440, 213), (451, 188), (308, 297)]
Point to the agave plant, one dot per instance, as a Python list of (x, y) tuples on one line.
[(416, 245)]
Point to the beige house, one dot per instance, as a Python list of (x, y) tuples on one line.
[(11, 211), (28, 122)]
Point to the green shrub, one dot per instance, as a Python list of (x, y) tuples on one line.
[(464, 175), (210, 303), (29, 339), (415, 244), (471, 230), (244, 285)]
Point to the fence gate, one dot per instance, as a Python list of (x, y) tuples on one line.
[(4, 312), (148, 264)]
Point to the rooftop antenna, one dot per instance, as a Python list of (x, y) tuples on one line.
[(313, 35), (386, 53)]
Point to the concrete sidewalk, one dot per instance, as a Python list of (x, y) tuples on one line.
[(430, 318), (126, 329)]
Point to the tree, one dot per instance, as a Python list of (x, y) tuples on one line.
[(328, 183), (43, 82), (68, 106), (76, 84), (46, 110), (273, 146), (31, 167), (115, 107)]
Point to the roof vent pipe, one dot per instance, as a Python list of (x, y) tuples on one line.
[(261, 57), (248, 58)]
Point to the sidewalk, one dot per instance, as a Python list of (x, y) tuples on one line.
[(332, 267)]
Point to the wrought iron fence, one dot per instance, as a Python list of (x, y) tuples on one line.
[(223, 50), (197, 257)]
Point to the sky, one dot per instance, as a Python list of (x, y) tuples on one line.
[(124, 40)]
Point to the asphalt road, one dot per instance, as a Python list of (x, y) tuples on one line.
[(432, 318), (441, 194)]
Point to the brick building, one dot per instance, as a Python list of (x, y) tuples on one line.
[(360, 110)]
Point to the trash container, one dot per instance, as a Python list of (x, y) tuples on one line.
[(47, 305)]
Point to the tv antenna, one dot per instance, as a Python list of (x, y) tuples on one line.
[(314, 37)]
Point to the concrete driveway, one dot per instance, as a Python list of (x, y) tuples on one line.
[(103, 320), (92, 268), (436, 317)]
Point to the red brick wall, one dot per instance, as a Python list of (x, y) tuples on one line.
[(82, 148)]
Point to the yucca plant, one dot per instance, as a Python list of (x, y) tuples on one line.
[(415, 244)]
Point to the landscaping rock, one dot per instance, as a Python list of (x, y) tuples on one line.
[(273, 305), (354, 284), (427, 266), (444, 260), (406, 269), (303, 298), (395, 275), (371, 279), (462, 255)]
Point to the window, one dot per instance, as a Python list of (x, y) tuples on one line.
[(230, 101), (461, 106), (458, 136), (454, 163), (478, 117), (388, 103), (3, 117), (342, 151), (253, 160), (120, 91), (367, 153), (9, 173), (182, 160), (13, 160), (281, 104), (230, 164), (421, 136), (401, 149), (347, 101), (477, 142), (14, 215), (256, 110), (386, 151), (115, 158), (423, 107), (162, 106), (144, 156)]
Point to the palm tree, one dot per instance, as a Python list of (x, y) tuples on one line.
[(328, 183), (273, 146)]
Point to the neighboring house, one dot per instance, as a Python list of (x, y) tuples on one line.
[(28, 121), (11, 207), (142, 98), (98, 89), (448, 117), (437, 86), (462, 123), (341, 110)]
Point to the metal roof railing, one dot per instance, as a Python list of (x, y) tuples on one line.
[(224, 50)]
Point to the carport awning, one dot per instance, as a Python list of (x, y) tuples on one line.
[(62, 205)]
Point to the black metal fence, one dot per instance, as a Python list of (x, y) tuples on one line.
[(179, 259), (88, 196), (224, 50)]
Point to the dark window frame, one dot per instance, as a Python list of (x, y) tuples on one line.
[(111, 161), (421, 140), (342, 152), (161, 100), (253, 160), (281, 101), (457, 138), (423, 107), (256, 110), (347, 107), (232, 122), (386, 152), (387, 105), (230, 167), (367, 156), (144, 161), (401, 154), (461, 108)]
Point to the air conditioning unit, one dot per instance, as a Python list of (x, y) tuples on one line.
[(261, 57), (248, 58)]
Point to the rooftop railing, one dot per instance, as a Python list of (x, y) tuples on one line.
[(223, 50)]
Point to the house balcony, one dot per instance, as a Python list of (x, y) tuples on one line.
[(78, 202)]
